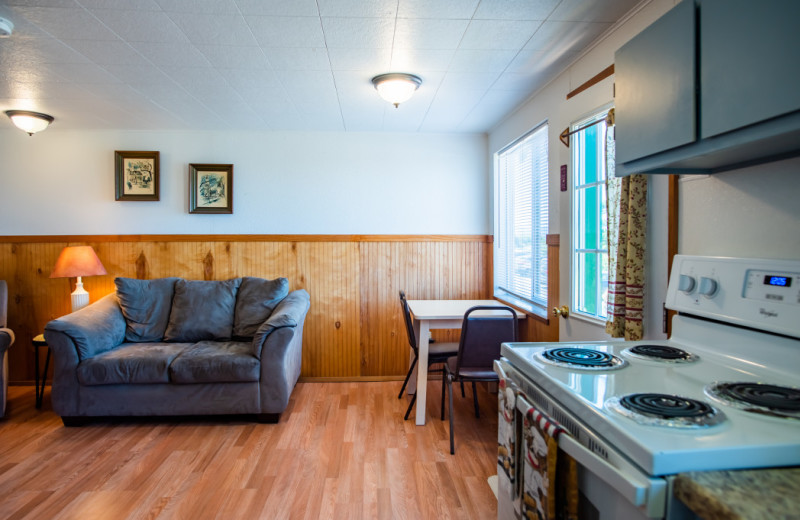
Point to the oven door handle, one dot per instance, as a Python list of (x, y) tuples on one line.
[(638, 488)]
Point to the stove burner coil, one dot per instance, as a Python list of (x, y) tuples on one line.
[(666, 410), (582, 358), (781, 401), (666, 406), (661, 352)]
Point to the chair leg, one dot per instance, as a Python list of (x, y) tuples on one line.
[(410, 406), (462, 390), (450, 396), (444, 380), (408, 376), (475, 399)]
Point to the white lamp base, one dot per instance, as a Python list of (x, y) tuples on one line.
[(80, 298)]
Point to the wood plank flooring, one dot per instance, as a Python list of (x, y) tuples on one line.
[(341, 450)]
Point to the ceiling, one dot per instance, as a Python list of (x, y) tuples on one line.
[(287, 64)]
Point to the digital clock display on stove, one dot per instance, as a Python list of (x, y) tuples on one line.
[(777, 281)]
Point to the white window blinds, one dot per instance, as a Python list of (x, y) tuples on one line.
[(521, 191)]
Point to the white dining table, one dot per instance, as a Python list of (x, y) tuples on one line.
[(437, 314)]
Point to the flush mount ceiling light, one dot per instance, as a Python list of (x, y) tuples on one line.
[(6, 27), (396, 87), (30, 122)]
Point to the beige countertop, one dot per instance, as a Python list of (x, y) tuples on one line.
[(744, 494)]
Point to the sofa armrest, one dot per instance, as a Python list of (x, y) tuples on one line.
[(94, 329), (281, 351), (6, 339), (80, 335)]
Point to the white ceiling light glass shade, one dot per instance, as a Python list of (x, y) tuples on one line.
[(30, 122), (396, 87)]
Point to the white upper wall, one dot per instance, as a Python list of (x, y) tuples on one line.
[(62, 183)]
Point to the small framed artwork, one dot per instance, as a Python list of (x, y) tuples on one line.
[(137, 175), (210, 188)]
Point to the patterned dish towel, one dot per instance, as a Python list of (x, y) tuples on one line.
[(549, 476)]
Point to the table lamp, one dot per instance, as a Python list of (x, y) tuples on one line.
[(78, 261)]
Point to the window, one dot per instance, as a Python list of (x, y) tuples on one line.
[(520, 248), (589, 218)]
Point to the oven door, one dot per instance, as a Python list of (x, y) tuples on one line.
[(608, 488)]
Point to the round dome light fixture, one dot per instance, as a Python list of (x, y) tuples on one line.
[(6, 27), (30, 122), (396, 87)]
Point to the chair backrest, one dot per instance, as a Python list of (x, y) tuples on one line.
[(412, 338), (481, 336), (3, 303)]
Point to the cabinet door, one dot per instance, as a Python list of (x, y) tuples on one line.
[(654, 76), (750, 62)]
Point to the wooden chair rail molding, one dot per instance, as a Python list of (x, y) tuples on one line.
[(354, 329)]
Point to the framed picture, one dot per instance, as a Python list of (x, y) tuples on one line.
[(136, 175), (210, 188)]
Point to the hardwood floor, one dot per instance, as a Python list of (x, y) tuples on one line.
[(341, 450)]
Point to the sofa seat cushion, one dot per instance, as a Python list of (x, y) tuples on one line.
[(131, 363), (216, 362)]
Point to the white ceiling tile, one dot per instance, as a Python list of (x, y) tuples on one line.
[(358, 8), (409, 60), (67, 23), (285, 31), (298, 58), (32, 53), (455, 82), (498, 34), (108, 53), (540, 63), (199, 6), (594, 11), (376, 60), (468, 60), (323, 122), (136, 5), (43, 3), (358, 33), (234, 57), (83, 73), (141, 26), (278, 7), (306, 79), (515, 9), (429, 34), (22, 27), (251, 81), (214, 29), (449, 9), (571, 36), (271, 102), (136, 75), (168, 55)]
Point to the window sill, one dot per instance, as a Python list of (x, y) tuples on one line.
[(531, 311)]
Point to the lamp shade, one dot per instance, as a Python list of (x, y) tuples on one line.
[(396, 87), (30, 122), (76, 261)]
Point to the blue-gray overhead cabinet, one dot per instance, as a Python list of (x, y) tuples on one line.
[(711, 86)]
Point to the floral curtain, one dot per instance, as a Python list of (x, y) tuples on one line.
[(627, 216)]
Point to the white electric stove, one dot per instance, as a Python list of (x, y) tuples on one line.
[(722, 393)]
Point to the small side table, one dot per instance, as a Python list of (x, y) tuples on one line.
[(39, 342)]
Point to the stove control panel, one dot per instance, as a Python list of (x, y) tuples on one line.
[(758, 293)]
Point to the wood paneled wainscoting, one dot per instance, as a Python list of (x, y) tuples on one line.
[(354, 329)]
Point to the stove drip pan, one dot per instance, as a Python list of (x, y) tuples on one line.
[(661, 353), (666, 410), (766, 399), (583, 358)]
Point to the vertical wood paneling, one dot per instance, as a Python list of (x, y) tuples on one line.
[(354, 328)]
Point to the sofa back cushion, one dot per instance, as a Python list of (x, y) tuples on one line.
[(202, 310), (146, 305), (255, 302)]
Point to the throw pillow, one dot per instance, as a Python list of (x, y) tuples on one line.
[(255, 302), (146, 306), (202, 310)]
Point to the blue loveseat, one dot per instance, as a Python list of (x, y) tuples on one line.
[(170, 346)]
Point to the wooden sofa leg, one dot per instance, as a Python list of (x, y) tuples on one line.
[(74, 421), (268, 418)]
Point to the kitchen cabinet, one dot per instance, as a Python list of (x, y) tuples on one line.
[(710, 86)]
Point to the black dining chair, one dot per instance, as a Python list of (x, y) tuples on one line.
[(481, 336), (437, 352)]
